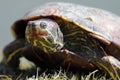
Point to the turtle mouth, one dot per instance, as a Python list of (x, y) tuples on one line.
[(32, 35), (35, 32), (39, 39)]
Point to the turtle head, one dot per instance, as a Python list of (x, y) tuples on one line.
[(44, 33)]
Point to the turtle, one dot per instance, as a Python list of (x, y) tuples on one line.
[(66, 35)]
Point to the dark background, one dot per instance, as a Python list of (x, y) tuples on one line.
[(11, 10)]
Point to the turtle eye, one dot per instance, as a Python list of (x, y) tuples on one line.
[(43, 25)]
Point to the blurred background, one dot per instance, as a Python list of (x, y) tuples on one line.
[(11, 10)]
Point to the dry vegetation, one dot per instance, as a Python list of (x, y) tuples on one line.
[(58, 75)]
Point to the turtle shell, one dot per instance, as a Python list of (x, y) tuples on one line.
[(99, 24), (93, 32)]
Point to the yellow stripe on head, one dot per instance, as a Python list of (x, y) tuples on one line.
[(47, 48), (35, 42), (46, 40)]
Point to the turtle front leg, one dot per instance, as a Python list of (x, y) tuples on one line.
[(76, 61)]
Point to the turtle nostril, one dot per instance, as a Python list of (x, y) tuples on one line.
[(31, 26)]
